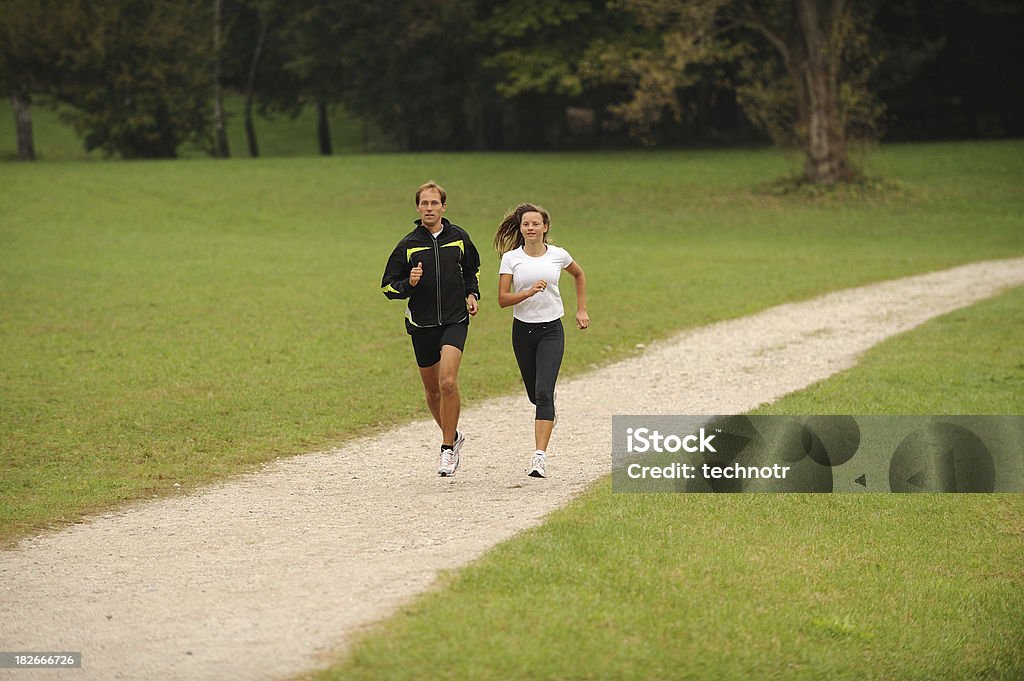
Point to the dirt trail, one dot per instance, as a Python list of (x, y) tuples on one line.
[(258, 577)]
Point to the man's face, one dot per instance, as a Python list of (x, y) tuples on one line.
[(430, 208)]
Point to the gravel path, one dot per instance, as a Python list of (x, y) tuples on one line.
[(264, 575)]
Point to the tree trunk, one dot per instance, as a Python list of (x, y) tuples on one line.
[(250, 86), (221, 148), (811, 47), (323, 129), (818, 88), (250, 132), (21, 104)]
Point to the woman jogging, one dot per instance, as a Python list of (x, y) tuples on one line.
[(528, 281)]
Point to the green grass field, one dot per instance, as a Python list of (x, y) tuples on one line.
[(167, 323), (164, 324), (773, 586)]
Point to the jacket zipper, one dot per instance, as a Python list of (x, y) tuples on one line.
[(437, 272)]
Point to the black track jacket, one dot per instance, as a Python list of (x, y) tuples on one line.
[(450, 267)]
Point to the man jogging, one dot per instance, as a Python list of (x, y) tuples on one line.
[(435, 268)]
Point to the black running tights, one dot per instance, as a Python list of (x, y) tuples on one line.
[(539, 349)]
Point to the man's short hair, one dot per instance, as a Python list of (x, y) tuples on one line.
[(435, 186)]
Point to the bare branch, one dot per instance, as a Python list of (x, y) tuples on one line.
[(757, 21)]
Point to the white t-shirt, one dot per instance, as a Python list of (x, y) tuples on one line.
[(526, 271)]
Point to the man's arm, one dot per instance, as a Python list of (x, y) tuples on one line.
[(395, 282), (471, 269)]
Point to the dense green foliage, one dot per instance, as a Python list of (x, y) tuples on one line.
[(142, 78), (133, 73)]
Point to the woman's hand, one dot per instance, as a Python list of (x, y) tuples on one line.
[(537, 288), (582, 319)]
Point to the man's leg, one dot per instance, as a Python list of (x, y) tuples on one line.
[(432, 389), (448, 382)]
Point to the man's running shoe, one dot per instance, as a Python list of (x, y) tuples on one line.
[(448, 462), (537, 467), (460, 440), (454, 462)]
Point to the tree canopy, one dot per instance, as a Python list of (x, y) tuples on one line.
[(139, 78)]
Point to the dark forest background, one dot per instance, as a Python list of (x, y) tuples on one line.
[(140, 78)]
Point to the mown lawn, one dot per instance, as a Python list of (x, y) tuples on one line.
[(758, 586), (168, 323)]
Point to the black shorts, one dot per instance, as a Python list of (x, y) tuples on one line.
[(427, 341)]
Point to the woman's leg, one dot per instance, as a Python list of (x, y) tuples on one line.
[(524, 347), (548, 361)]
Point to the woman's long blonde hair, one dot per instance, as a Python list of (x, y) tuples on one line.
[(508, 236)]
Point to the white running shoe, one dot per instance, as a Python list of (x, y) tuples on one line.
[(454, 460), (537, 467), (460, 440), (449, 460)]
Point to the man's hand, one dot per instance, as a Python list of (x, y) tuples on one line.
[(415, 274), (471, 304)]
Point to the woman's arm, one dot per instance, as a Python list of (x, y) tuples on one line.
[(506, 298), (582, 318)]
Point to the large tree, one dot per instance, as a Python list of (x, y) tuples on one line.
[(536, 48), (26, 63), (135, 73), (221, 146), (286, 55), (250, 58), (324, 40), (413, 67), (416, 70), (800, 67), (821, 46)]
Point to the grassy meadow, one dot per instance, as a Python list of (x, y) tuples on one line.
[(165, 323), (758, 586)]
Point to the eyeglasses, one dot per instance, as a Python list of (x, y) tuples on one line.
[(430, 204)]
